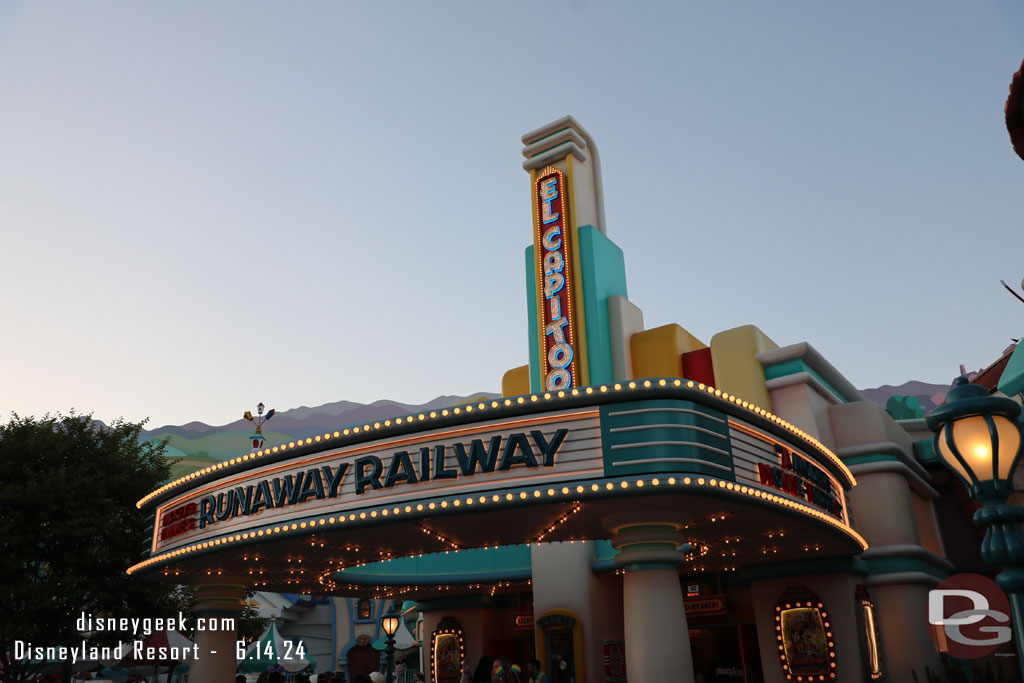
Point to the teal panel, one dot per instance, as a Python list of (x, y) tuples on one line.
[(795, 365), (603, 274), (899, 565), (665, 436), (924, 451), (455, 566), (870, 457), (1011, 382), (502, 600), (531, 323), (808, 567)]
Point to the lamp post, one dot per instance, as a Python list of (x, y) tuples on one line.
[(978, 437), (390, 624)]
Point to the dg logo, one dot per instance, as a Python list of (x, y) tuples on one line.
[(968, 616)]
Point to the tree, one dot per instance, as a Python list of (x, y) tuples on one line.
[(69, 529), (248, 622)]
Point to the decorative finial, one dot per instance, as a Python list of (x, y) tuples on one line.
[(1010, 289), (257, 437)]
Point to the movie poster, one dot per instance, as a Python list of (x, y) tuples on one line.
[(447, 660), (804, 641)]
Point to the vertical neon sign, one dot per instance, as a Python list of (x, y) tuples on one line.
[(554, 276)]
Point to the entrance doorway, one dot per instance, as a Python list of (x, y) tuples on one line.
[(561, 655), (726, 653), (362, 659)]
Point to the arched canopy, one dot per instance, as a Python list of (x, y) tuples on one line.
[(522, 470)]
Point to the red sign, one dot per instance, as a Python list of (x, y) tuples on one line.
[(704, 606), (614, 659), (799, 477), (554, 274), (178, 521), (524, 621)]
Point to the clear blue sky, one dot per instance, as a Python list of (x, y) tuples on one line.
[(208, 204)]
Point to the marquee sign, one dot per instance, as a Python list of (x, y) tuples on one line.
[(441, 464), (532, 450), (178, 521), (798, 476), (554, 275), (761, 459), (325, 481)]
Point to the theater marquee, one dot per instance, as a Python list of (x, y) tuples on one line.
[(527, 451), (665, 432)]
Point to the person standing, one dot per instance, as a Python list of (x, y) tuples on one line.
[(502, 671), (534, 673), (482, 673)]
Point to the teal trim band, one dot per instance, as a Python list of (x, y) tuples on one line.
[(533, 341), (657, 528), (474, 565), (810, 567), (896, 565), (641, 566), (472, 600), (647, 546), (603, 274), (870, 457), (345, 577), (795, 365)]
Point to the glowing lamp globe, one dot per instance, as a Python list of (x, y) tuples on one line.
[(389, 622), (978, 437)]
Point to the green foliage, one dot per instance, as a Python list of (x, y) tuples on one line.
[(956, 671), (71, 528), (249, 623), (904, 407)]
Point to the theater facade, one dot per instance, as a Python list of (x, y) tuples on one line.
[(640, 504)]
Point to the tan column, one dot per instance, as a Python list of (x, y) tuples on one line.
[(216, 658), (657, 638)]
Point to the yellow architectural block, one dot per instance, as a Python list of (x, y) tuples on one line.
[(516, 381), (737, 371), (658, 352)]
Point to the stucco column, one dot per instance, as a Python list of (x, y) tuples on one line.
[(654, 620), (905, 646), (216, 659)]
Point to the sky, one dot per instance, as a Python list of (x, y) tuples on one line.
[(205, 205)]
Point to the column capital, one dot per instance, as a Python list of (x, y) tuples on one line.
[(647, 539), (619, 521), (220, 598)]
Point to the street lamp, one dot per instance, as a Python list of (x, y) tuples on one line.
[(979, 439), (390, 624)]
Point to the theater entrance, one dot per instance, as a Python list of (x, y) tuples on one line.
[(726, 653)]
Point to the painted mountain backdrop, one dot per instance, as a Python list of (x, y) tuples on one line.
[(196, 445)]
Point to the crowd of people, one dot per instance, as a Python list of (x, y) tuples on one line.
[(488, 670), (501, 670), (273, 676)]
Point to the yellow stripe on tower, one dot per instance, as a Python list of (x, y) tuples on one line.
[(577, 280)]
